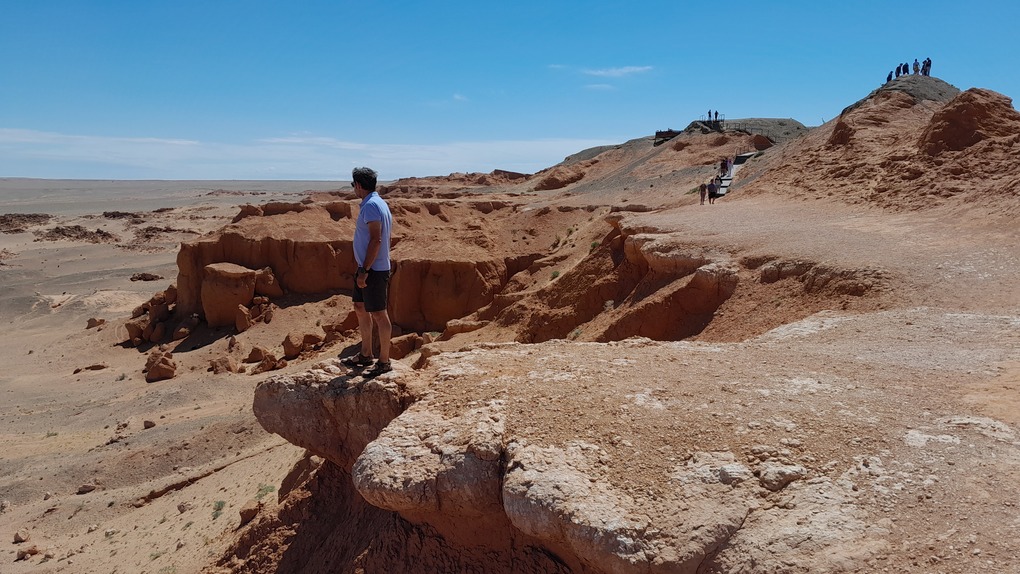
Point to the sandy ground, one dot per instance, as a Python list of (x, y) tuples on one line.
[(170, 490)]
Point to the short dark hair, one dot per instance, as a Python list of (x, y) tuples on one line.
[(365, 176)]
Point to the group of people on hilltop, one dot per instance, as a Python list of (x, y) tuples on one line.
[(923, 68), (709, 116)]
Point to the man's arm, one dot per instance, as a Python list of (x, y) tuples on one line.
[(374, 243)]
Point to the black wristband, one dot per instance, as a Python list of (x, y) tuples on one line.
[(361, 270)]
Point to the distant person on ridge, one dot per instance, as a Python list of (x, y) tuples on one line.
[(917, 67), (888, 78), (717, 115), (371, 280), (899, 67), (709, 116)]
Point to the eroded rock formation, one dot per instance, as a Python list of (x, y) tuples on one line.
[(972, 116), (225, 286), (474, 478)]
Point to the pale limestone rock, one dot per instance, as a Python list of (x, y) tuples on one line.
[(422, 464), (775, 476), (331, 416)]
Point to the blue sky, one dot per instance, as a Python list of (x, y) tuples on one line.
[(292, 89)]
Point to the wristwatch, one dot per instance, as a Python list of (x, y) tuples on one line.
[(361, 270)]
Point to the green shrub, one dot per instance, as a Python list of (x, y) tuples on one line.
[(264, 489)]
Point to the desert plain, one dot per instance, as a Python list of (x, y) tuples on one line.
[(820, 372)]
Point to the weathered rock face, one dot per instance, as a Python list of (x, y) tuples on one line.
[(224, 287), (455, 476), (760, 142), (562, 176), (308, 251), (425, 294), (266, 283), (477, 485), (970, 117), (916, 143), (634, 284), (332, 416)]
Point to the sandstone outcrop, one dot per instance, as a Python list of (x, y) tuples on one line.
[(916, 143), (257, 354), (471, 476), (972, 116), (242, 318), (269, 363), (160, 365), (404, 345), (308, 249), (224, 287), (151, 320), (225, 364), (332, 416), (266, 283), (296, 343), (562, 176), (94, 322), (426, 294)]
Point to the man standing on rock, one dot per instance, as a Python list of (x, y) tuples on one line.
[(371, 282)]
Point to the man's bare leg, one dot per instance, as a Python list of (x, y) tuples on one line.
[(365, 328), (385, 328)]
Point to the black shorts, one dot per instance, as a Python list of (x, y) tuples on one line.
[(375, 293)]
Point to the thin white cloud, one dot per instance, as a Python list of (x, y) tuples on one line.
[(618, 72), (599, 87), (459, 98), (28, 153)]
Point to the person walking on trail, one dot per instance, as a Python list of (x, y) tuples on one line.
[(711, 191), (371, 282), (703, 189)]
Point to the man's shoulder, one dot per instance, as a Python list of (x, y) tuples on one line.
[(375, 199), (374, 204)]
